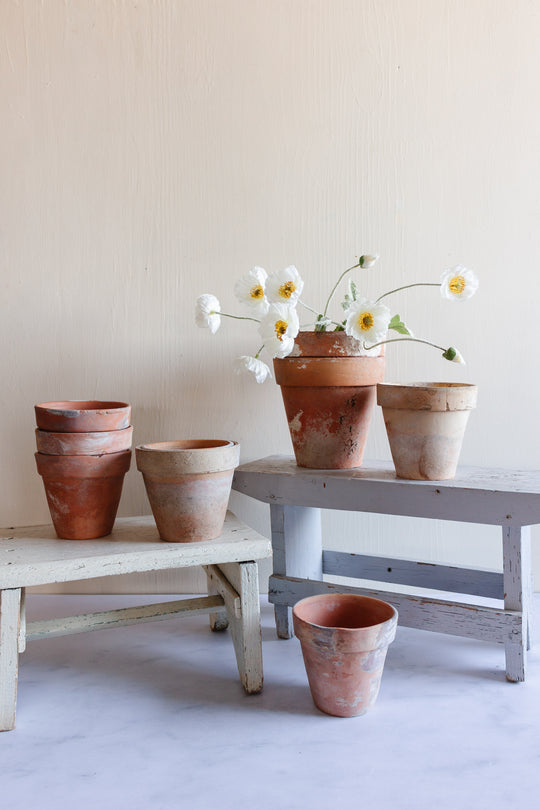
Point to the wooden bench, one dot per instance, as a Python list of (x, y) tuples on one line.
[(34, 556), (506, 498)]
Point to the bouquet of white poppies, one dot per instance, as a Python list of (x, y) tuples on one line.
[(273, 301)]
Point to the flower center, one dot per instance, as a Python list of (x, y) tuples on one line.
[(365, 321), (457, 285), (287, 289), (280, 329), (256, 291)]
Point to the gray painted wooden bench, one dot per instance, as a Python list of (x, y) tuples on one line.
[(34, 556), (506, 498)]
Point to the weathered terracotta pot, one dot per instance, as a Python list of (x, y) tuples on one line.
[(425, 423), (86, 416), (83, 492), (328, 391), (188, 484), (83, 444), (344, 639)]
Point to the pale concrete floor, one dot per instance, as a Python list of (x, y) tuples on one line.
[(154, 717)]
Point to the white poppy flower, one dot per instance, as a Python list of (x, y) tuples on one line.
[(252, 365), (453, 355), (250, 290), (367, 321), (278, 329), (284, 286), (458, 283), (207, 309), (368, 260)]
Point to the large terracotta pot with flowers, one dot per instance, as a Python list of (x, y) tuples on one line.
[(329, 391), (327, 376)]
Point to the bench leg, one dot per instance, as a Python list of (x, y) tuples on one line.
[(517, 595), (245, 622), (297, 551), (218, 621), (10, 605)]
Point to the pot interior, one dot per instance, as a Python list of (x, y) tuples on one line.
[(348, 611), (187, 444)]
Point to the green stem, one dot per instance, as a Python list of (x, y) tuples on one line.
[(236, 317), (258, 353), (334, 288), (408, 286), (400, 340)]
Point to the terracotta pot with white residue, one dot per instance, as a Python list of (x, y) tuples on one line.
[(329, 393), (83, 492), (344, 640), (188, 484), (425, 423)]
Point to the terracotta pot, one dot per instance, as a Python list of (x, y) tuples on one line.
[(83, 492), (188, 484), (83, 444), (344, 639), (425, 423), (328, 398), (82, 416)]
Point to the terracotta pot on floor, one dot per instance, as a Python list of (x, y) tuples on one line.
[(83, 492), (344, 639), (425, 423), (188, 484), (74, 416), (328, 390)]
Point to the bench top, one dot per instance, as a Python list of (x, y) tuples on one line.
[(33, 555), (476, 495)]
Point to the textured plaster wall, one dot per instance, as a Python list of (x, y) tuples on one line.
[(152, 150)]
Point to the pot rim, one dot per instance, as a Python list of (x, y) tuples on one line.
[(163, 460), (188, 445), (428, 396), (68, 406), (360, 598), (324, 372), (99, 465)]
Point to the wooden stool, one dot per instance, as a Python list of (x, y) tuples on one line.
[(34, 556)]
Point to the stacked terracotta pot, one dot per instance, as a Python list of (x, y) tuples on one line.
[(83, 454)]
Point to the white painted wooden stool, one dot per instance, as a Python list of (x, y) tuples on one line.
[(34, 556), (506, 498)]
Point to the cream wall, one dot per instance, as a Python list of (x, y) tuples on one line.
[(152, 151)]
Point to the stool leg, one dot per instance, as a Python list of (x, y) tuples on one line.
[(297, 552), (10, 603), (218, 621), (246, 623), (517, 595)]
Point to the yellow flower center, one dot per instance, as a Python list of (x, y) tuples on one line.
[(287, 289), (456, 285), (365, 321), (280, 329), (256, 291)]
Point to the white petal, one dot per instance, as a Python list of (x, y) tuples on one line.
[(250, 290), (367, 321), (284, 286), (207, 309), (252, 365), (458, 283)]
